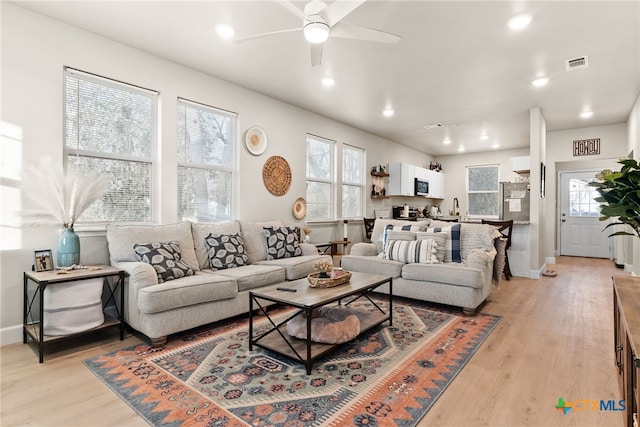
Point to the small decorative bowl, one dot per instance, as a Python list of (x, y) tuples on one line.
[(327, 282)]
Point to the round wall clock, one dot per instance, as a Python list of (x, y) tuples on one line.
[(255, 140), (276, 175)]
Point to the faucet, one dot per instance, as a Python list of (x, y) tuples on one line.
[(456, 206)]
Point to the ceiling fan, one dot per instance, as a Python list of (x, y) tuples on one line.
[(321, 21)]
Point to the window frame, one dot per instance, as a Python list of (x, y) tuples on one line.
[(331, 181), (468, 191), (361, 184), (152, 159), (231, 167)]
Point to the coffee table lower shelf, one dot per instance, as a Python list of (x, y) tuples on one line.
[(296, 349)]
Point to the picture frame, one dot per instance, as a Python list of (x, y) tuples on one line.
[(43, 260)]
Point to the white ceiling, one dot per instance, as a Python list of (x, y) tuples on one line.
[(457, 63)]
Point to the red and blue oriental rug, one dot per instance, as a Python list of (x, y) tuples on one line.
[(389, 376)]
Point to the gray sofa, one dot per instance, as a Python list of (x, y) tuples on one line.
[(160, 309), (463, 284)]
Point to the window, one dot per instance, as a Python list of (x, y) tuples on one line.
[(320, 178), (206, 162), (110, 128), (352, 181), (581, 198), (483, 190)]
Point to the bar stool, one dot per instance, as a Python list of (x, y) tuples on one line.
[(505, 228), (368, 227)]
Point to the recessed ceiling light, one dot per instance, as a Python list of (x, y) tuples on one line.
[(461, 148), (328, 82), (495, 145), (519, 22), (484, 136), (586, 114), (446, 141), (225, 31), (388, 112), (540, 81)]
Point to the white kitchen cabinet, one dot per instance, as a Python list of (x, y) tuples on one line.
[(521, 164), (401, 179), (436, 184)]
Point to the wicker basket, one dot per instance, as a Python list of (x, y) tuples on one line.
[(318, 282)]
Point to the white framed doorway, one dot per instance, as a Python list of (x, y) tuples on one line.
[(579, 227)]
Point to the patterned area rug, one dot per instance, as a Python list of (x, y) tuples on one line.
[(389, 376)]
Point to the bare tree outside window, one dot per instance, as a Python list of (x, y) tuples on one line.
[(206, 159), (109, 129), (320, 178)]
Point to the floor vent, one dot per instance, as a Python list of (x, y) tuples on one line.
[(577, 63)]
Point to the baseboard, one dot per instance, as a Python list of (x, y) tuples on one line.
[(536, 274), (11, 335)]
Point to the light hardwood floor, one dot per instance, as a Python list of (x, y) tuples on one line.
[(555, 340)]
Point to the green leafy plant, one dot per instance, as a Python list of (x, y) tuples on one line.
[(620, 196)]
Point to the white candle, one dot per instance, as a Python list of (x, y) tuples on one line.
[(345, 229)]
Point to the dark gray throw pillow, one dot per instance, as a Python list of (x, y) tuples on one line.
[(282, 242), (226, 251), (166, 259)]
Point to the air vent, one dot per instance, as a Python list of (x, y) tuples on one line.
[(577, 63), (434, 126)]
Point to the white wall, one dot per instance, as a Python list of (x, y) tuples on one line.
[(454, 167), (34, 51), (633, 145), (613, 142)]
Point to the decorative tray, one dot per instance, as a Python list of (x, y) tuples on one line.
[(327, 282)]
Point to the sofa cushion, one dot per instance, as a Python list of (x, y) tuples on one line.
[(423, 250), (201, 230), (372, 265), (282, 242), (295, 267), (166, 259), (184, 292), (440, 238), (452, 246), (448, 273), (226, 251), (121, 239), (379, 227), (253, 276), (254, 242)]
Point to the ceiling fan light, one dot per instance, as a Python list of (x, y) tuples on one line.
[(316, 32)]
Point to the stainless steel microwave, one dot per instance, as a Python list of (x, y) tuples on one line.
[(421, 187)]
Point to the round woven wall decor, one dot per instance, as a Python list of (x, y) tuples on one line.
[(276, 175)]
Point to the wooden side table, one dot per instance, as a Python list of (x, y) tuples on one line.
[(332, 247), (33, 313)]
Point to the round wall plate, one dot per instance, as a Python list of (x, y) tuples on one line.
[(300, 208), (256, 140), (276, 175)]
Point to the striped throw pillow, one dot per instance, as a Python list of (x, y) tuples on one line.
[(411, 251), (440, 238)]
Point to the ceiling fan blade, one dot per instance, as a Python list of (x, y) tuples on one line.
[(337, 10), (316, 54), (259, 36), (351, 31), (292, 8)]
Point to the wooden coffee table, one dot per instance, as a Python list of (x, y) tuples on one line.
[(308, 299)]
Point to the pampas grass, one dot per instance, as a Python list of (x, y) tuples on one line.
[(58, 198)]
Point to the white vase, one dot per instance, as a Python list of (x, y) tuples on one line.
[(307, 238)]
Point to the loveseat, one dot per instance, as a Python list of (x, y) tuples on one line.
[(177, 280), (430, 260)]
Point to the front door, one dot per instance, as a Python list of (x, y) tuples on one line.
[(581, 231)]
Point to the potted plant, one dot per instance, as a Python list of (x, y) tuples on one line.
[(620, 196)]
